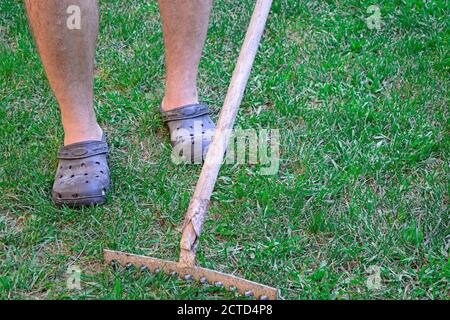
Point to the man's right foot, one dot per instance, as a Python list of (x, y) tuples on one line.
[(82, 177)]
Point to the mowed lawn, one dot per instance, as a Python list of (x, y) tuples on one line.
[(363, 179)]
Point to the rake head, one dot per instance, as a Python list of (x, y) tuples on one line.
[(203, 275)]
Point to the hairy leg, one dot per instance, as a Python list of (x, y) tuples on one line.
[(185, 25), (67, 55)]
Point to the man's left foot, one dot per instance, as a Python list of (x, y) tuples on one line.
[(191, 130)]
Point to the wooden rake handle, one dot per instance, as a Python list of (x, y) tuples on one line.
[(199, 203)]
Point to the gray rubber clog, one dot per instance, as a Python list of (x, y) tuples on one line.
[(82, 177), (191, 130)]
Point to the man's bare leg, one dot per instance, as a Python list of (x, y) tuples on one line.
[(68, 58), (185, 25)]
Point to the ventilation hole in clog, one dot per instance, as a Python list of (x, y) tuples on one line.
[(86, 174), (61, 177), (75, 195), (87, 181), (70, 167), (102, 172), (72, 176), (96, 162), (97, 176), (83, 165), (59, 195)]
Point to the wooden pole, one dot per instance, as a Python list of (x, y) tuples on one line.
[(199, 203)]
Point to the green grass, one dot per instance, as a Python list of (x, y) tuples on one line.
[(363, 180)]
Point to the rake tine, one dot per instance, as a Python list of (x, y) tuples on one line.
[(144, 268), (129, 266), (113, 264), (248, 293)]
